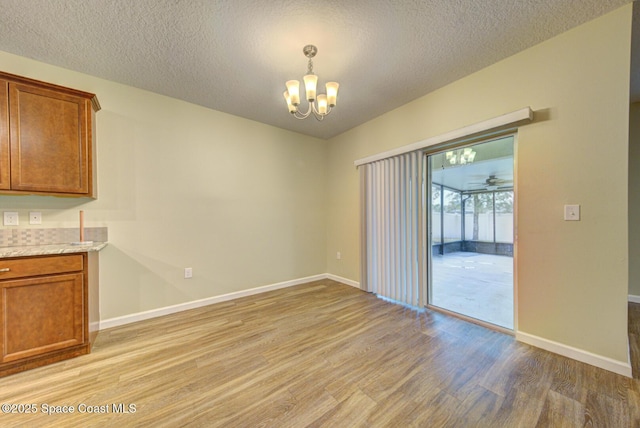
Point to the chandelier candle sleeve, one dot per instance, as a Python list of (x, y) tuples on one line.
[(287, 97), (310, 83), (332, 93), (293, 89), (322, 104)]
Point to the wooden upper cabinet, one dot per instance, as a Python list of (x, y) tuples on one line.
[(51, 139)]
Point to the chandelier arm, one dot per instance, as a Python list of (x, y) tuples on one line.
[(312, 109), (299, 115)]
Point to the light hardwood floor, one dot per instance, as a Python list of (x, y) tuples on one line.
[(321, 354)]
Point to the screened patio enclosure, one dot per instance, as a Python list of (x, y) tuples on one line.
[(471, 233), (475, 221)]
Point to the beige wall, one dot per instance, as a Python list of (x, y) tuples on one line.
[(240, 202), (634, 200), (572, 276)]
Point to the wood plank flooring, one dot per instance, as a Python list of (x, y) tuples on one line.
[(321, 354)]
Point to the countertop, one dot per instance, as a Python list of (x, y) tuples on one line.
[(41, 250)]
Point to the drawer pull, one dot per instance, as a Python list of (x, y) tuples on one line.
[(5, 269)]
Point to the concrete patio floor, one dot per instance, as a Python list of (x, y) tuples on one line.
[(476, 285)]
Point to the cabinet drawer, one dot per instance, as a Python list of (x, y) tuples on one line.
[(32, 266)]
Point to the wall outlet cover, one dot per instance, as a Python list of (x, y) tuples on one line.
[(35, 217), (572, 212), (10, 218)]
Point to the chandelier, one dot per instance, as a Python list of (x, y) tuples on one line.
[(461, 156), (321, 105)]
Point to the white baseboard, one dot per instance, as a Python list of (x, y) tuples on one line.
[(606, 363), (634, 299), (342, 280), (154, 313)]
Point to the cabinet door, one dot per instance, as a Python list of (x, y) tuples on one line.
[(49, 140), (5, 178), (40, 315)]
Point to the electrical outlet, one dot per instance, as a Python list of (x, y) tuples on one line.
[(188, 273), (338, 255), (572, 212), (35, 217), (10, 218)]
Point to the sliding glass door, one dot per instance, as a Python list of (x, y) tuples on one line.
[(471, 230)]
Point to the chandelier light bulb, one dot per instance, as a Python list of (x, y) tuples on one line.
[(292, 108), (332, 93), (322, 104), (310, 83), (293, 88)]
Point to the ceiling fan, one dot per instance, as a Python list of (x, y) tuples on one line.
[(493, 183)]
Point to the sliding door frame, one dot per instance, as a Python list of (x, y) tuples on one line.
[(441, 148)]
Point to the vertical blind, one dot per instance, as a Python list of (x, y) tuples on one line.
[(392, 199)]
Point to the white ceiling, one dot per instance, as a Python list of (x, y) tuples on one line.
[(235, 55)]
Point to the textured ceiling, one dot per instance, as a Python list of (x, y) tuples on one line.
[(235, 55)]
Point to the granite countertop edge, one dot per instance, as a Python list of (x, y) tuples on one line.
[(50, 249)]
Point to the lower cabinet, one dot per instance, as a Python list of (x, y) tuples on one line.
[(45, 306)]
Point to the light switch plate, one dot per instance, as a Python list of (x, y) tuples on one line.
[(572, 212), (10, 218)]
